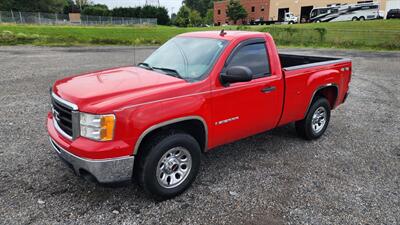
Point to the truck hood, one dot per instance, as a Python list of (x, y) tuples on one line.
[(109, 89)]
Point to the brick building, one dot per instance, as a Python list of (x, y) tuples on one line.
[(256, 9), (275, 9)]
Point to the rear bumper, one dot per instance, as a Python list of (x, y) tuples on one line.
[(104, 170)]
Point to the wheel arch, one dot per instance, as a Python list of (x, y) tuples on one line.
[(198, 129), (329, 91)]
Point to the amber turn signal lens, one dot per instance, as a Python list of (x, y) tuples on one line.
[(107, 124)]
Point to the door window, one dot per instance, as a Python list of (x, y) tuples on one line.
[(253, 56)]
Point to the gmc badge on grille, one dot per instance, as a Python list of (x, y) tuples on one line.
[(56, 115)]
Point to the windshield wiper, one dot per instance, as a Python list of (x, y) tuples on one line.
[(145, 65), (169, 71)]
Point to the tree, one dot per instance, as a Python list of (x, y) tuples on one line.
[(195, 18), (162, 16), (160, 13), (83, 3), (127, 12), (52, 6), (199, 5), (209, 19), (182, 18), (6, 5), (96, 10), (70, 7), (236, 11)]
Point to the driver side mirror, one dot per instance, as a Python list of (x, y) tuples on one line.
[(236, 74)]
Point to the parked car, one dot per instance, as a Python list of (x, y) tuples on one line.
[(199, 90), (393, 14)]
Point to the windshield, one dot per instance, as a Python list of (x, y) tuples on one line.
[(189, 58)]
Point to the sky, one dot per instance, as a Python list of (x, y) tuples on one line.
[(172, 5)]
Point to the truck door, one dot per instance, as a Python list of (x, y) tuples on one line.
[(246, 108)]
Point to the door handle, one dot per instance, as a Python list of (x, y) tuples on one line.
[(268, 89)]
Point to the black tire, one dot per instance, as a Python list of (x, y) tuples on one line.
[(147, 164), (305, 127), (362, 18), (354, 19)]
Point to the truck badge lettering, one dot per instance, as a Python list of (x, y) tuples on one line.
[(226, 121)]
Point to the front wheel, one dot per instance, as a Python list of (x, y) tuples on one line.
[(316, 121), (169, 165)]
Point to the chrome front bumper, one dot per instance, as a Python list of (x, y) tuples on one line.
[(105, 171)]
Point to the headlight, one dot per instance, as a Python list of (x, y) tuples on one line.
[(97, 127)]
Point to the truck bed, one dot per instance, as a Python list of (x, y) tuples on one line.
[(294, 62)]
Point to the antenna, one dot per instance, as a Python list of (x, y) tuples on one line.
[(222, 33)]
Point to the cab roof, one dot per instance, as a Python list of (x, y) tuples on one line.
[(229, 35)]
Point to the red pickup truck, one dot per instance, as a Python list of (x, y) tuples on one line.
[(151, 122)]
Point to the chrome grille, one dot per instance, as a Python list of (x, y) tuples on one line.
[(65, 116)]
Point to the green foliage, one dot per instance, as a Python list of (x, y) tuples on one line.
[(200, 6), (195, 18), (322, 33), (161, 13), (209, 19), (183, 17), (88, 8), (127, 12), (53, 6), (70, 7), (83, 3), (242, 27), (96, 10), (236, 11), (11, 38)]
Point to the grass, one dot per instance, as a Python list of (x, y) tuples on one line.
[(378, 34)]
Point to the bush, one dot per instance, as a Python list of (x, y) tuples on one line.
[(9, 38), (322, 33)]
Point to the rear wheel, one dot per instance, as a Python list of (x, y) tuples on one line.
[(354, 19), (169, 165), (316, 121)]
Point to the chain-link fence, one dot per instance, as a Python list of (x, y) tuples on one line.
[(98, 20), (55, 18)]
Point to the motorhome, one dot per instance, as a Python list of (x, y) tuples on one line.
[(346, 12)]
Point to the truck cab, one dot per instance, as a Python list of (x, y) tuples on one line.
[(290, 18)]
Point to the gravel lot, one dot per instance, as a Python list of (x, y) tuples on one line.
[(349, 176)]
